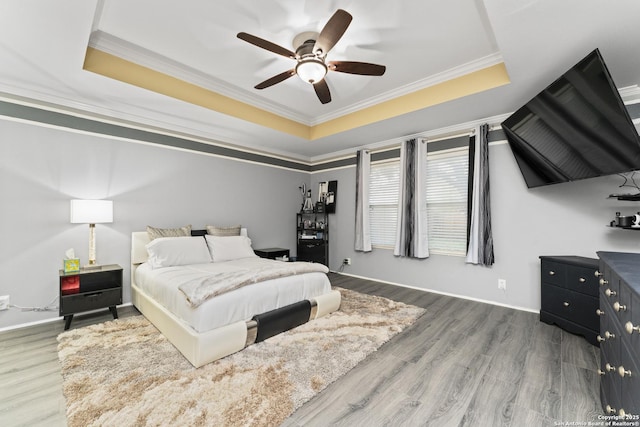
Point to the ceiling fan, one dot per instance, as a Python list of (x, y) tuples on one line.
[(311, 50)]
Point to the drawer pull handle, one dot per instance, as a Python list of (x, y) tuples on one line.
[(610, 410), (601, 372), (623, 372), (600, 339), (600, 312), (603, 282), (609, 368), (619, 307), (566, 304), (582, 280), (630, 328), (610, 293), (608, 335), (597, 273), (552, 273)]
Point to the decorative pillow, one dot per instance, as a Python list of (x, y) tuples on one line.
[(228, 248), (172, 251), (155, 233), (233, 230)]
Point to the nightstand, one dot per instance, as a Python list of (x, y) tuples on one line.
[(272, 253), (90, 289)]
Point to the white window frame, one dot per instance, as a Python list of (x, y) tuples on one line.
[(447, 203), (388, 203)]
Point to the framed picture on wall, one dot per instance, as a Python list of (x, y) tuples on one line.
[(327, 195)]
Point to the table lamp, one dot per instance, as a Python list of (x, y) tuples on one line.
[(91, 212)]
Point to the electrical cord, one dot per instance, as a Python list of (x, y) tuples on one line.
[(48, 307)]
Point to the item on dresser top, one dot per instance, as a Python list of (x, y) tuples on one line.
[(222, 325), (619, 336)]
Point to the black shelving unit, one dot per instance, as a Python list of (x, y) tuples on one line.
[(312, 230)]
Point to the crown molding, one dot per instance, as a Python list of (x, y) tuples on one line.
[(139, 55), (432, 80), (128, 51), (184, 130), (431, 135)]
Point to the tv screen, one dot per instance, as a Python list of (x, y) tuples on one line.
[(576, 128)]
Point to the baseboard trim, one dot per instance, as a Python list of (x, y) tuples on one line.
[(51, 320), (402, 285)]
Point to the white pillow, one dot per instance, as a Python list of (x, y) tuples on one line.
[(171, 251), (227, 248)]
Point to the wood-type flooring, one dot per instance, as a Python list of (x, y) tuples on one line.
[(463, 363)]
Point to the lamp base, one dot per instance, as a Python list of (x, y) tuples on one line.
[(92, 267)]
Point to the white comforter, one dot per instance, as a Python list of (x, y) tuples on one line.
[(163, 284), (231, 276)]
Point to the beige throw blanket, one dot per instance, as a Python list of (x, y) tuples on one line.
[(201, 289)]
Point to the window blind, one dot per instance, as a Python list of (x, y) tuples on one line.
[(383, 202), (447, 202)]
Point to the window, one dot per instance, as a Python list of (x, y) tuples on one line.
[(383, 202), (446, 202), (447, 185)]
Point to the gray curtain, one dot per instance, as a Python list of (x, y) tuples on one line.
[(363, 233), (411, 231), (480, 248)]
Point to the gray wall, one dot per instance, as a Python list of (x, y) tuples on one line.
[(42, 168), (563, 219)]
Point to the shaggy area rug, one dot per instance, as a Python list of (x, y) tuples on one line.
[(125, 373)]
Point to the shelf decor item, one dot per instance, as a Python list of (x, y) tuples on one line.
[(307, 207), (91, 212)]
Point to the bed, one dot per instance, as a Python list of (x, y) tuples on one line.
[(207, 328)]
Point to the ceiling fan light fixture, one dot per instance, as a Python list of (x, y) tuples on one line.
[(311, 70)]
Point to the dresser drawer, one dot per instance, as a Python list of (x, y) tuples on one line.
[(570, 305), (609, 283), (582, 279), (575, 276), (620, 301), (553, 272), (90, 301), (609, 393), (633, 324), (312, 250), (611, 338), (629, 383)]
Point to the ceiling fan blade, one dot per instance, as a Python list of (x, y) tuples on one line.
[(272, 47), (354, 67), (276, 79), (332, 31), (322, 90)]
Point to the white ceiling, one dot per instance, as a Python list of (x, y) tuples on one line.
[(422, 43)]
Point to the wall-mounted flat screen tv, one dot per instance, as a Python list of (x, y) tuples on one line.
[(576, 128)]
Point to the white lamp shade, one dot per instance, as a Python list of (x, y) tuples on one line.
[(91, 211)]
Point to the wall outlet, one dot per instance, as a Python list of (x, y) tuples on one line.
[(4, 302), (502, 284), (346, 261)]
